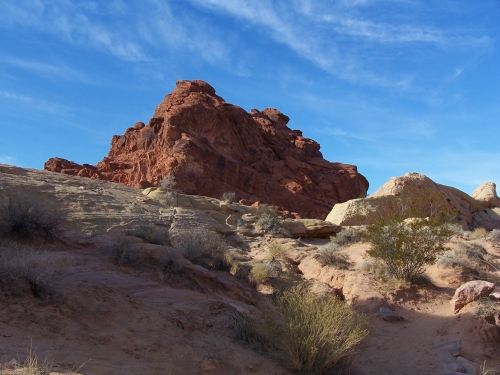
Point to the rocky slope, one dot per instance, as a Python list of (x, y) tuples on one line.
[(212, 147), (143, 319)]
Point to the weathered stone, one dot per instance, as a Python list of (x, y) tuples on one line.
[(390, 315), (309, 228), (212, 147), (470, 367), (469, 292)]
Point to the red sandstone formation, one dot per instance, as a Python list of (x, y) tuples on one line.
[(212, 147)]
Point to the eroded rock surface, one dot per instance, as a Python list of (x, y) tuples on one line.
[(212, 147)]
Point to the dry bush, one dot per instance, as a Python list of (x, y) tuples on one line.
[(495, 235), (268, 219), (170, 192), (309, 335), (470, 256), (204, 247), (330, 255), (25, 268), (150, 233), (277, 251), (25, 218), (478, 233), (260, 273), (346, 236), (31, 365), (229, 196), (122, 252)]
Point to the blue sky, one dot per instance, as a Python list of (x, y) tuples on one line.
[(392, 86)]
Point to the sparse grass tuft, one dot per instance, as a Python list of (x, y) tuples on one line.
[(309, 335), (260, 273), (478, 233), (330, 255), (229, 196), (204, 247), (277, 251), (25, 218)]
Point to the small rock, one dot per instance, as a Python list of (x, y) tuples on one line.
[(389, 315), (452, 346), (495, 296), (470, 367), (469, 292)]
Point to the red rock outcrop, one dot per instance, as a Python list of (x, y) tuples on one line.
[(211, 147)]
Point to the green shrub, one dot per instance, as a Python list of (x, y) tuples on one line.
[(268, 219), (330, 255), (346, 236), (277, 251), (309, 335), (478, 233), (204, 247), (25, 218), (229, 196), (407, 248), (260, 273)]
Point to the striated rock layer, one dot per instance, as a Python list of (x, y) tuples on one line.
[(212, 147)]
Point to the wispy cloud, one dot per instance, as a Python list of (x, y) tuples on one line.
[(70, 22), (49, 70), (339, 41), (38, 104)]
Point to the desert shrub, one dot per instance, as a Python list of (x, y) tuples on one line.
[(25, 218), (122, 252), (346, 236), (170, 192), (471, 257), (260, 273), (495, 235), (268, 219), (377, 268), (25, 268), (150, 233), (330, 255), (309, 335), (204, 247), (407, 248), (478, 233), (229, 196), (277, 250)]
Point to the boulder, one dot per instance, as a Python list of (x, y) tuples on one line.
[(486, 195), (469, 292), (212, 147), (309, 228), (430, 196)]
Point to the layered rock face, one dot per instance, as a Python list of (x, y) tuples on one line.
[(479, 210), (212, 147)]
